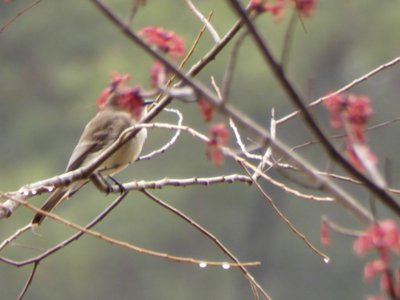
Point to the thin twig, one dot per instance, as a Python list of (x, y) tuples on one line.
[(134, 9), (184, 182), (295, 98), (268, 153), (228, 152), (188, 55), (286, 220), (210, 236), (122, 244), (15, 236), (342, 197), (347, 87), (170, 142), (205, 21), (20, 13), (216, 88), (29, 281), (230, 69), (334, 176), (340, 229), (77, 235), (288, 39), (241, 144)]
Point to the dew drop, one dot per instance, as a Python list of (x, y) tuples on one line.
[(202, 264), (226, 266), (327, 260), (25, 192), (34, 192), (50, 188)]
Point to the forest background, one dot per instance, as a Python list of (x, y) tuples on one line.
[(54, 62)]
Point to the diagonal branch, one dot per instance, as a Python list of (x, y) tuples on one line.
[(263, 135), (20, 13), (213, 238), (347, 87), (117, 242), (29, 281), (244, 121), (377, 190), (285, 219), (205, 21)]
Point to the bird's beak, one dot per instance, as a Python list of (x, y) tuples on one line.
[(148, 102)]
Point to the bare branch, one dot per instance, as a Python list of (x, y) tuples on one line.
[(29, 281), (295, 98), (213, 238), (205, 21), (340, 229), (206, 181), (288, 39), (171, 141), (227, 80), (14, 236), (20, 13), (134, 9), (347, 87), (120, 243), (266, 159), (241, 144), (286, 220)]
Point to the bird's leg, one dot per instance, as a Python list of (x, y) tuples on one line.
[(122, 189), (100, 182)]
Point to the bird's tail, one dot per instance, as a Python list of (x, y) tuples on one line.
[(55, 198)]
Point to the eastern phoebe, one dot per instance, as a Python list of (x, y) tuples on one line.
[(118, 111)]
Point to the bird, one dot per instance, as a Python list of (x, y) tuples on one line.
[(117, 112)]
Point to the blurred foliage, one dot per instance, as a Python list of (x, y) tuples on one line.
[(55, 60)]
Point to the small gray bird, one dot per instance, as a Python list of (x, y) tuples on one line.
[(118, 112)]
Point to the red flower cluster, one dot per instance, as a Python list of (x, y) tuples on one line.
[(324, 234), (157, 72), (384, 237), (128, 97), (117, 80), (354, 157), (276, 8), (352, 112), (354, 109), (219, 137), (207, 110), (131, 99), (304, 7), (166, 41)]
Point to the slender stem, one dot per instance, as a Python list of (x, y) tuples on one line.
[(29, 281), (378, 191), (20, 13), (210, 236)]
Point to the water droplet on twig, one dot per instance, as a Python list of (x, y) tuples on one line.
[(226, 266)]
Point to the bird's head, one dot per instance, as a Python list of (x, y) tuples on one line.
[(127, 99)]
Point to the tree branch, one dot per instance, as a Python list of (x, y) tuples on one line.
[(375, 189)]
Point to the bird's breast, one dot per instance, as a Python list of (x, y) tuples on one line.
[(125, 155)]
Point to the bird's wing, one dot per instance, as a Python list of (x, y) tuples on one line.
[(103, 130)]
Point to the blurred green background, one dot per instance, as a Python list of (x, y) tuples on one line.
[(55, 60)]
